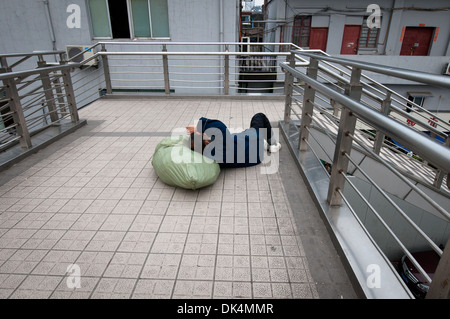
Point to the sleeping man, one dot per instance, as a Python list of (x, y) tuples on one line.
[(213, 139)]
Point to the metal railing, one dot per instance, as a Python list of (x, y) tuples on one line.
[(331, 96), (190, 68), (314, 99), (33, 99)]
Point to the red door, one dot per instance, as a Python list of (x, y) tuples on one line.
[(417, 41), (318, 38), (350, 40)]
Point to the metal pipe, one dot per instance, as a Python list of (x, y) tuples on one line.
[(193, 53), (50, 24), (422, 77), (23, 74), (426, 147)]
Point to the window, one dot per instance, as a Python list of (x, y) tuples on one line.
[(369, 37), (301, 30), (417, 98), (129, 18)]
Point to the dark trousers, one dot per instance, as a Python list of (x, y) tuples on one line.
[(260, 121)]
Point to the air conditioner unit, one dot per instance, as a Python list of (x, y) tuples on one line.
[(74, 50), (447, 69)]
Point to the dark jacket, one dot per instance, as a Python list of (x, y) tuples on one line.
[(231, 150)]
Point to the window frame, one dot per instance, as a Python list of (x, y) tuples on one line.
[(301, 27), (366, 40), (130, 23)]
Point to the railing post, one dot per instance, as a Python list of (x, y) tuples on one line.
[(48, 90), (288, 89), (19, 118), (308, 105), (344, 141), (70, 95), (385, 109), (439, 178), (440, 285), (166, 70), (106, 71), (226, 77)]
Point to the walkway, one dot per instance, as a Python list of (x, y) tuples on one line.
[(92, 199)]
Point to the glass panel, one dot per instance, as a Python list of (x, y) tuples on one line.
[(160, 18), (99, 17), (141, 20), (419, 100)]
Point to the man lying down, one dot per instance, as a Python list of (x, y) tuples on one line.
[(213, 139)]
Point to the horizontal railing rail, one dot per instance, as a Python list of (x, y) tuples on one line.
[(421, 77), (429, 149)]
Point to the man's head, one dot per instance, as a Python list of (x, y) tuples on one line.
[(198, 141)]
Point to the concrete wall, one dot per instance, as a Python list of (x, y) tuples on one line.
[(336, 14), (25, 28)]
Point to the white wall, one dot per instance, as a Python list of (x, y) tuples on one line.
[(25, 27)]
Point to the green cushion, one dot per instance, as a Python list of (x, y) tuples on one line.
[(177, 165)]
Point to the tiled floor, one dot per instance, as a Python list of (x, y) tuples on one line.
[(93, 200)]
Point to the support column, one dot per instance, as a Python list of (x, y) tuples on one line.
[(308, 105), (226, 76), (344, 141), (385, 109), (288, 89), (48, 91), (440, 286), (166, 70), (106, 71)]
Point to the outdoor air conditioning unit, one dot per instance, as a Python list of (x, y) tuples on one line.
[(447, 69), (73, 50)]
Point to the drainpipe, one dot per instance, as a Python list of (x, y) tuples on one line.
[(388, 29), (221, 23), (50, 24)]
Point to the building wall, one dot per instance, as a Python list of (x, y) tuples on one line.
[(335, 14), (25, 27)]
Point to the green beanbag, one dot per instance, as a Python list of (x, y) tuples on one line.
[(177, 165)]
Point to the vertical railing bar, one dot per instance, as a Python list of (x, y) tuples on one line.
[(226, 77), (308, 105), (18, 116), (70, 95), (440, 288), (48, 90), (385, 109), (106, 70), (166, 70), (347, 126), (288, 90)]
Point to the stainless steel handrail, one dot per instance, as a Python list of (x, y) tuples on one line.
[(416, 76), (26, 73), (426, 147), (34, 53)]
